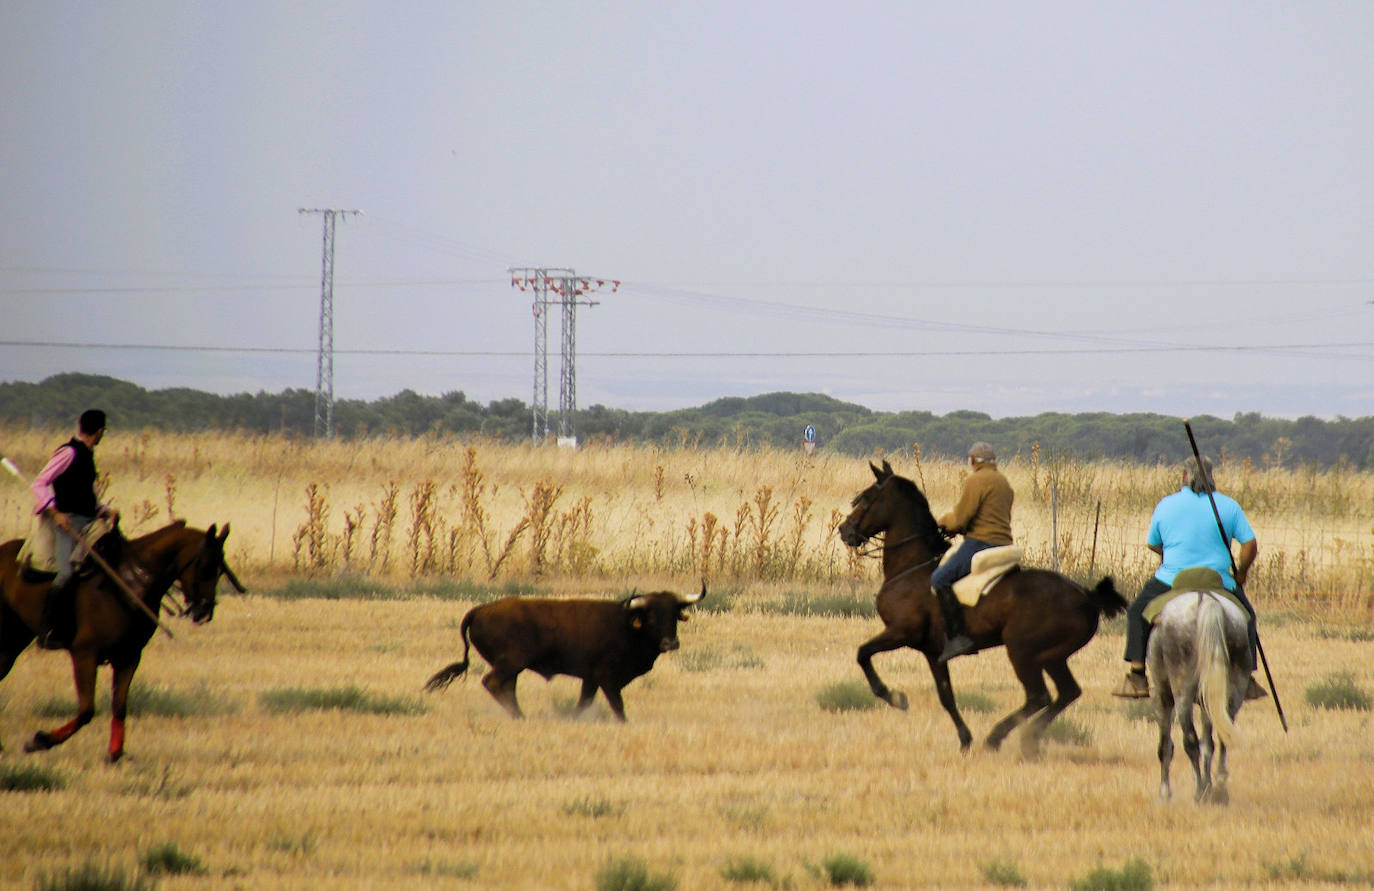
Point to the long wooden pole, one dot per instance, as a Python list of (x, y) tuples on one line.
[(1235, 571)]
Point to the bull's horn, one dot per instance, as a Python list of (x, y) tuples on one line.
[(690, 599), (636, 602)]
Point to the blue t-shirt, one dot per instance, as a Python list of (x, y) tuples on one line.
[(1184, 525)]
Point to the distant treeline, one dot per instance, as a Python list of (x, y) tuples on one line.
[(776, 419)]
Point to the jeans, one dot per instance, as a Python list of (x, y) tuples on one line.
[(959, 564)]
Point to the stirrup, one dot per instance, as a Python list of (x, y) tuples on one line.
[(959, 645), (1254, 690)]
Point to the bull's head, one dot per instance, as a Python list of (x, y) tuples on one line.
[(657, 615)]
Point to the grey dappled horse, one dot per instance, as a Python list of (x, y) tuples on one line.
[(1198, 654)]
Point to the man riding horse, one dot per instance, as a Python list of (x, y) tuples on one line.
[(983, 516), (1184, 533), (65, 499)]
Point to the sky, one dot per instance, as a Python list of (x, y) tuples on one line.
[(1003, 207)]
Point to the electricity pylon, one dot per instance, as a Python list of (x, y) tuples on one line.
[(567, 289), (324, 361)]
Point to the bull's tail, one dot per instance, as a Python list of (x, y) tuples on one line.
[(448, 674), (1106, 598), (1214, 667)]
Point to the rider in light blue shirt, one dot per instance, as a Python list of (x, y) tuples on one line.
[(1184, 533)]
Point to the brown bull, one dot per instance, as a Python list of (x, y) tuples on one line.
[(605, 643)]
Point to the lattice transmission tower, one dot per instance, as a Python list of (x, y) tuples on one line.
[(324, 361), (568, 290)]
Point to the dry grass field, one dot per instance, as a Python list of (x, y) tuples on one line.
[(287, 744)]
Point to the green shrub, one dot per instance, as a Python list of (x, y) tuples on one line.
[(1297, 869), (749, 869), (1134, 876), (463, 870), (350, 698), (1338, 691), (710, 658), (1350, 633), (586, 806), (30, 779), (846, 696), (1001, 873), (168, 859), (150, 699), (1069, 732), (629, 874), (91, 876), (822, 605), (846, 869), (975, 701)]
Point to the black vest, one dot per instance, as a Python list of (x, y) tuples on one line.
[(74, 487)]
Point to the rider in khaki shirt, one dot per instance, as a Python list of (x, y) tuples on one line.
[(983, 517)]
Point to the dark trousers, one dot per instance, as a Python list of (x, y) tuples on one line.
[(1138, 630)]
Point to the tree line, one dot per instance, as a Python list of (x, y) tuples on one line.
[(772, 419)]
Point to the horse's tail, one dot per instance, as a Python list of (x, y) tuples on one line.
[(1106, 598), (1214, 667), (449, 673)]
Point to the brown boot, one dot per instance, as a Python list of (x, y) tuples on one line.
[(1135, 686), (1255, 691)]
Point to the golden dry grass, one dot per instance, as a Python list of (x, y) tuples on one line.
[(726, 756), (631, 513), (732, 761)]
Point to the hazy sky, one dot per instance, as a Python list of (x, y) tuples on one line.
[(1015, 207)]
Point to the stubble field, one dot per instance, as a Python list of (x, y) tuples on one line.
[(729, 766)]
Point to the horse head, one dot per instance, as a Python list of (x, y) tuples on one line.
[(869, 516), (200, 576), (891, 500)]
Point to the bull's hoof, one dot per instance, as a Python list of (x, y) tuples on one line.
[(897, 699), (42, 741)]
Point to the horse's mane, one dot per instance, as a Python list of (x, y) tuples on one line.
[(920, 507)]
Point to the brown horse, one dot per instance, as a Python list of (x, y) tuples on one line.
[(109, 629), (1041, 617)]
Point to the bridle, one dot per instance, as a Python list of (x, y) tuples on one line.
[(881, 547)]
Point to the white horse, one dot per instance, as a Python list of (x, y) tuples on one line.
[(1199, 654)]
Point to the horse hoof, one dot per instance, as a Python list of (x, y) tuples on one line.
[(41, 741), (897, 699)]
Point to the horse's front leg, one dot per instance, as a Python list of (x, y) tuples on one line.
[(123, 676), (83, 670), (885, 642), (945, 691), (14, 637)]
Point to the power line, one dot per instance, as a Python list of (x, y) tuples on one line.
[(1314, 349)]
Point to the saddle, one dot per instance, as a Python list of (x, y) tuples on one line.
[(1198, 578), (38, 555), (987, 570)]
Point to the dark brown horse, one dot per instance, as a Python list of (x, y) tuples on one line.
[(109, 629), (1041, 617)]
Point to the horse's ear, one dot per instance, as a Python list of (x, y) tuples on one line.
[(210, 533), (224, 533), (877, 474), (887, 468)]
